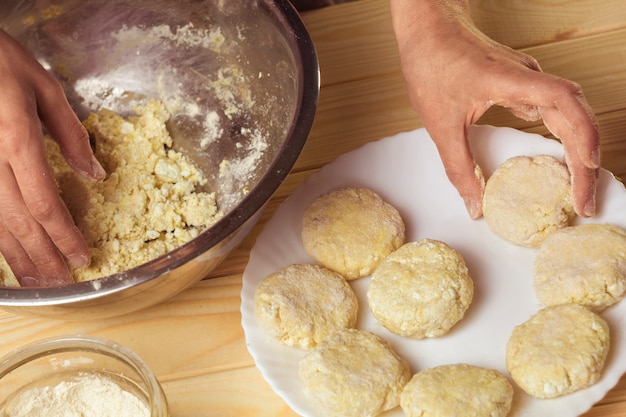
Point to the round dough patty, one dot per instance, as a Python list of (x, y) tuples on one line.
[(583, 264), (302, 304), (457, 390), (528, 198), (351, 230), (354, 373), (421, 290), (559, 350)]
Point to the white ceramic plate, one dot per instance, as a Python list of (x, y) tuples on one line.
[(406, 171)]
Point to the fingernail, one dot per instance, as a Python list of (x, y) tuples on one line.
[(78, 261), (474, 208), (98, 172), (590, 207), (29, 282), (59, 282), (595, 158)]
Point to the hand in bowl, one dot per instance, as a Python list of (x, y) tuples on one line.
[(454, 73), (37, 234)]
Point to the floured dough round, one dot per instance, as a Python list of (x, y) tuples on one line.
[(354, 373), (583, 264), (351, 230), (302, 304), (421, 290), (559, 350), (457, 390), (528, 198)]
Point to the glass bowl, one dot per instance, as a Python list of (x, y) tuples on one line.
[(82, 368)]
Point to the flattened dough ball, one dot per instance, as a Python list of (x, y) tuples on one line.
[(583, 264), (559, 350), (302, 304), (528, 198), (457, 390), (421, 290), (351, 230), (354, 373)]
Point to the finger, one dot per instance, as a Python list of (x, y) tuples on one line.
[(459, 164), (528, 61), (584, 182), (18, 221), (569, 117), (46, 207), (18, 260), (583, 177), (576, 126), (37, 190), (66, 129), (574, 122), (514, 55)]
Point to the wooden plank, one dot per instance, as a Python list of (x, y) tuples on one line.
[(513, 23), (334, 30), (613, 136), (240, 392), (521, 23), (177, 326)]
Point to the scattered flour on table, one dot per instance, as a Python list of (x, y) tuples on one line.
[(87, 395)]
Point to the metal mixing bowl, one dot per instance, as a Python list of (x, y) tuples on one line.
[(241, 80)]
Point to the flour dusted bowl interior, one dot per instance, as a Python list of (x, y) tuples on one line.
[(240, 81)]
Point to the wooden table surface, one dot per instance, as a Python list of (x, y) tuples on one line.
[(194, 342)]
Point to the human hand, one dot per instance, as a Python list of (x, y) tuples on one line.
[(454, 73), (37, 233)]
